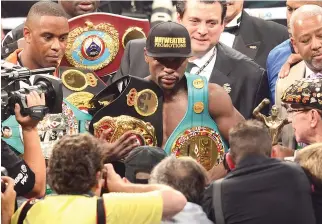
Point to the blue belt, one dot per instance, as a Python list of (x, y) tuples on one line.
[(197, 135)]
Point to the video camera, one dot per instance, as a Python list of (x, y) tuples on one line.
[(43, 82)]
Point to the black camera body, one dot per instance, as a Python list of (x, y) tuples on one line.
[(43, 82)]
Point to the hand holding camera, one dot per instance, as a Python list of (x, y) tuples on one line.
[(33, 99)]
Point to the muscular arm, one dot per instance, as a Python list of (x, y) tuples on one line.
[(257, 114), (222, 110)]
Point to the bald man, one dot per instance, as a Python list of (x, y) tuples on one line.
[(284, 53), (306, 30), (45, 33)]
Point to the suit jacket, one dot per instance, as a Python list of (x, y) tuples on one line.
[(297, 72), (257, 37), (247, 81), (263, 190)]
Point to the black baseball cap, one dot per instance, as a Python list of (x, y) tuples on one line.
[(168, 39), (142, 159)]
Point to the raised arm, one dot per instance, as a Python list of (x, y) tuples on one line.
[(222, 110), (33, 155), (257, 114), (173, 201)]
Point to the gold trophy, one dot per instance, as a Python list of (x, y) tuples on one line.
[(273, 122)]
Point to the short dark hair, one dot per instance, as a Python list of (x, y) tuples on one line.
[(46, 8), (6, 127), (181, 6), (73, 165), (183, 174), (249, 137)]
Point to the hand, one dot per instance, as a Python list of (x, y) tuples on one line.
[(217, 172), (8, 199), (285, 70), (33, 99), (266, 101), (114, 182), (120, 148)]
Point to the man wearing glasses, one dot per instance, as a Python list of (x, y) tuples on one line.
[(303, 100)]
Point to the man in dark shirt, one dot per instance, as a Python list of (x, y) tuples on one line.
[(259, 189), (29, 173)]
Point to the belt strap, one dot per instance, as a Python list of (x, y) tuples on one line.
[(25, 210), (100, 210), (217, 201)]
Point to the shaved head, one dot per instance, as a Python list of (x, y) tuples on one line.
[(45, 33), (292, 5), (306, 28), (45, 9), (303, 13)]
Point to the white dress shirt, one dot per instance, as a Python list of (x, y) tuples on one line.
[(199, 62), (226, 37)]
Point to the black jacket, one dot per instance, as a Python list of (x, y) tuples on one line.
[(247, 80), (264, 190), (257, 37), (10, 42)]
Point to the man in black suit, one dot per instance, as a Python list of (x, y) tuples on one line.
[(244, 80), (250, 35), (258, 189)]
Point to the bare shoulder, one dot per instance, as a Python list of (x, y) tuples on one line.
[(219, 100)]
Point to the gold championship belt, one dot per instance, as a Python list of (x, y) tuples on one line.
[(197, 135), (96, 41), (201, 143), (143, 131)]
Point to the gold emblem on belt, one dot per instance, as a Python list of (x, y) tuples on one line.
[(145, 102), (144, 131), (201, 143)]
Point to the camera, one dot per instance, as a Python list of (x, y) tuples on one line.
[(44, 82)]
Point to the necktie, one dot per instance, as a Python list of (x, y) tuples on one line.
[(190, 66)]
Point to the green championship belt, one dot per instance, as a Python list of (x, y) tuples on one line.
[(197, 135)]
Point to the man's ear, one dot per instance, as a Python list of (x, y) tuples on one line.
[(27, 34), (179, 19), (230, 161), (315, 116), (146, 56), (294, 45), (274, 152), (99, 184)]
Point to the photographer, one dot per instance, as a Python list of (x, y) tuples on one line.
[(29, 174), (7, 199)]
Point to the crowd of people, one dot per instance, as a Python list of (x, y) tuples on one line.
[(221, 67)]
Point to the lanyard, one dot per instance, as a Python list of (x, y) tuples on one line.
[(207, 62)]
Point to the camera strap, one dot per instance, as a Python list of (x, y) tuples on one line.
[(37, 112)]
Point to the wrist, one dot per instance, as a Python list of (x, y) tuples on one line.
[(29, 128)]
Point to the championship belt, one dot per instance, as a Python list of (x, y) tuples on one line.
[(197, 135), (96, 41), (51, 129), (135, 106)]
